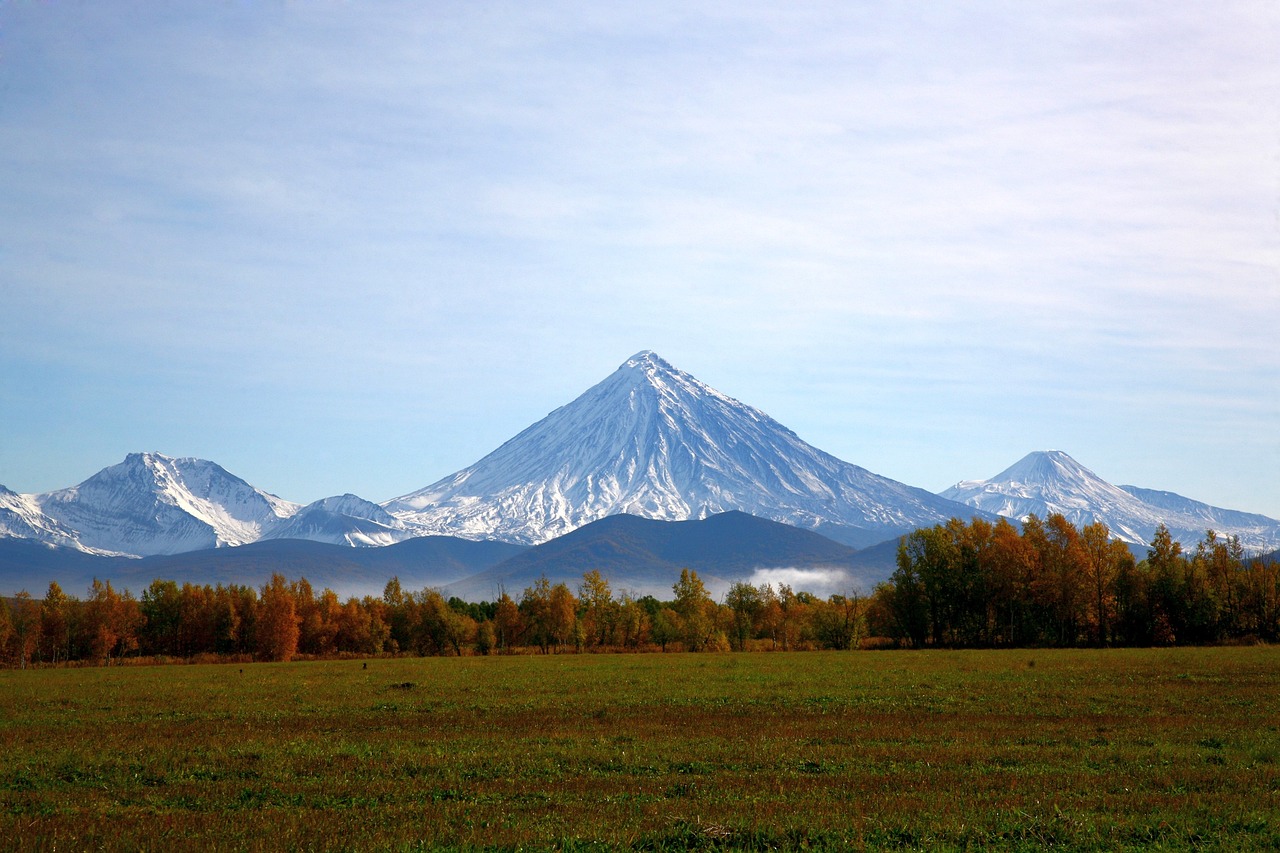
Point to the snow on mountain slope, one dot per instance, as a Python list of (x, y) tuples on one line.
[(653, 441), (22, 518), (155, 504), (343, 520), (1256, 532), (1050, 481)]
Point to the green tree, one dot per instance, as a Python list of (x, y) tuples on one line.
[(745, 604), (55, 623), (162, 618), (696, 610), (666, 627), (1168, 608), (485, 637), (599, 611), (535, 607), (398, 614), (905, 605), (837, 622)]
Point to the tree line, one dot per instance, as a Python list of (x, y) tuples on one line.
[(1052, 584), (286, 619), (956, 584)]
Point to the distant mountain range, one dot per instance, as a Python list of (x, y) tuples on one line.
[(646, 556), (429, 561), (650, 442)]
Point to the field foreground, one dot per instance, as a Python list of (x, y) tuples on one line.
[(1022, 749)]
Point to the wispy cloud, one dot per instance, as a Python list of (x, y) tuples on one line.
[(1003, 226)]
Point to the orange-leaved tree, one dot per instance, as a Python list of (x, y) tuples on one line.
[(276, 625)]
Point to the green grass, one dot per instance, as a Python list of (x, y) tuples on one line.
[(1084, 750)]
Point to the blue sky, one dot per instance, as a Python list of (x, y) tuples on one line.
[(354, 247)]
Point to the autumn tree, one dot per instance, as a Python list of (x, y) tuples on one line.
[(549, 613), (356, 632), (1012, 565), (1102, 561), (6, 632), (379, 615), (24, 623), (1221, 561), (919, 599), (111, 622), (508, 623), (196, 620), (562, 615), (696, 609), (234, 609), (439, 627), (633, 622), (791, 613), (1260, 599), (328, 617), (276, 628), (1060, 587), (485, 637)]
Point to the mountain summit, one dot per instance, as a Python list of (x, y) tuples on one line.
[(1050, 481), (653, 441)]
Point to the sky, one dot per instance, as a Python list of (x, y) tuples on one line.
[(354, 247)]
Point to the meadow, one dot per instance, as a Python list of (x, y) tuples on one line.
[(1074, 749)]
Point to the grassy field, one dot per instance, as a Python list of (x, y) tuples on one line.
[(932, 750)]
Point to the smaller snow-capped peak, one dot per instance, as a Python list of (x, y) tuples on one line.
[(353, 506), (156, 504), (1050, 481), (343, 520)]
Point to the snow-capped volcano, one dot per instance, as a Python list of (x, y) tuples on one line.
[(653, 441), (155, 504), (1050, 481)]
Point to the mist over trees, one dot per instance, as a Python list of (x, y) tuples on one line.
[(959, 584)]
